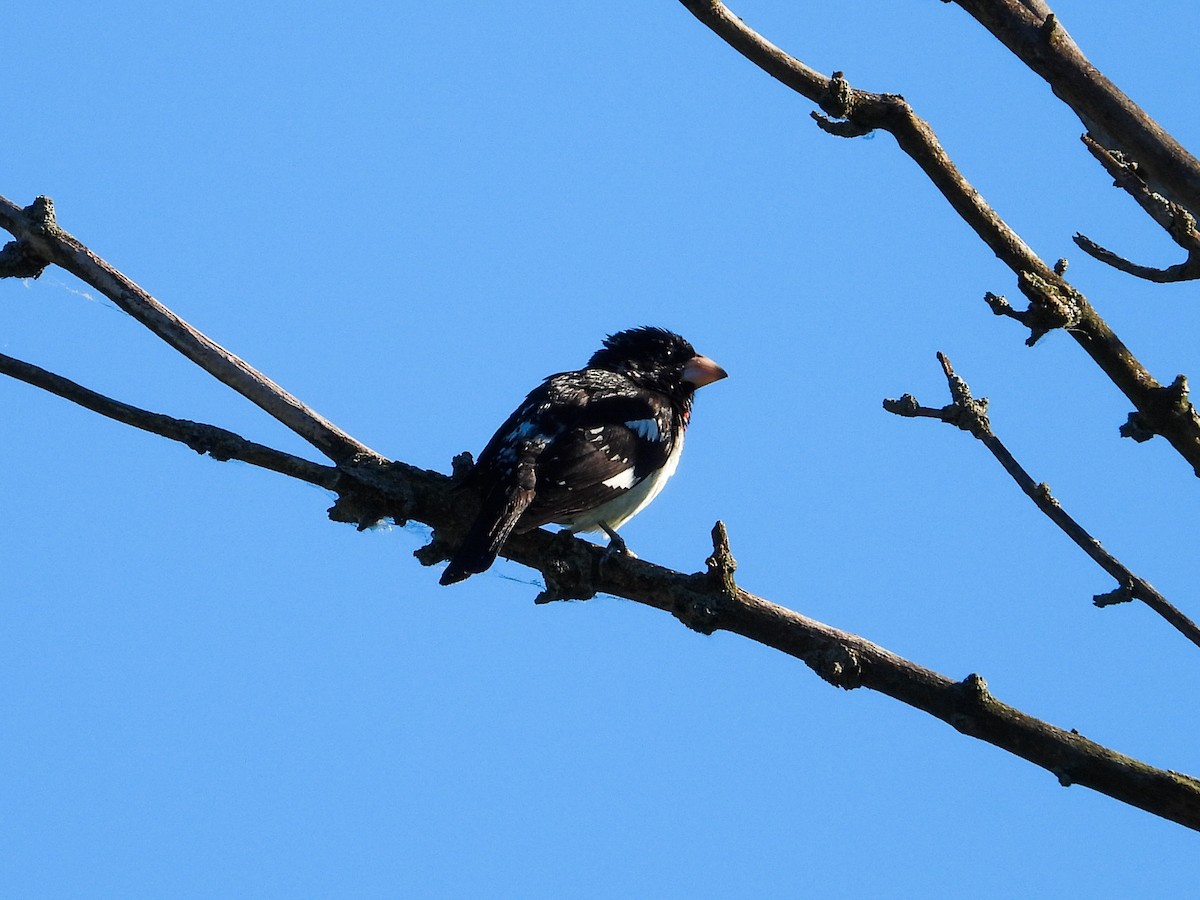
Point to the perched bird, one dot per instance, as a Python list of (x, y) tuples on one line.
[(587, 449)]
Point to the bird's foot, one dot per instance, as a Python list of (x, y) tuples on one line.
[(616, 547)]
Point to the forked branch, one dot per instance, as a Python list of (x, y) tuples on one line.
[(970, 414), (1113, 121), (219, 443), (1174, 219), (40, 241)]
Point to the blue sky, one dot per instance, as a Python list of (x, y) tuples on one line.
[(407, 216)]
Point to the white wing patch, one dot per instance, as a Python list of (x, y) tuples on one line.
[(622, 481)]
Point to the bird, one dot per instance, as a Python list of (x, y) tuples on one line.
[(587, 449)]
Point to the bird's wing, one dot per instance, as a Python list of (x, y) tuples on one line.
[(506, 474), (504, 501), (579, 440), (616, 442)]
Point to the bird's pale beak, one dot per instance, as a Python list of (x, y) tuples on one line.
[(700, 370)]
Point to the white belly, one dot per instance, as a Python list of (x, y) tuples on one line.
[(621, 509)]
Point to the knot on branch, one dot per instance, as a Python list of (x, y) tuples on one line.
[(845, 106), (362, 510), (1164, 405), (567, 568), (17, 258), (721, 565), (371, 489), (700, 610), (219, 443), (969, 416), (461, 466), (1042, 496), (1052, 304), (839, 97), (975, 688), (40, 215), (838, 665), (964, 412), (975, 696), (1050, 28)]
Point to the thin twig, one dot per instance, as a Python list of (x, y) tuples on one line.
[(970, 414), (1174, 219), (39, 236), (218, 443)]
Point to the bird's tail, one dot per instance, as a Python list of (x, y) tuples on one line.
[(495, 522)]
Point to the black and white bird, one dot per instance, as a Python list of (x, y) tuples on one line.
[(587, 449)]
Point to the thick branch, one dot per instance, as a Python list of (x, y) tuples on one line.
[(970, 414), (38, 237), (710, 602), (1053, 302), (857, 112), (1033, 33)]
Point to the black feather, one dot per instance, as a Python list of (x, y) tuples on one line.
[(502, 507)]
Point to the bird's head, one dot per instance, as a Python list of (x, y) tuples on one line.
[(657, 359)]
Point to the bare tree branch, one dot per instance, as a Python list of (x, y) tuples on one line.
[(370, 487), (1036, 36), (218, 443), (1054, 303), (970, 414), (39, 241), (1188, 270), (1172, 217)]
